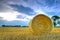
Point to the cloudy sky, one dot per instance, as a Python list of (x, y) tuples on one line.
[(20, 12)]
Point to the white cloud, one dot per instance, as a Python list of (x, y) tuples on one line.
[(40, 12), (8, 16), (12, 15), (39, 4), (38, 8)]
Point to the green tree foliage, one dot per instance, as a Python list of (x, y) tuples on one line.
[(3, 25), (55, 18)]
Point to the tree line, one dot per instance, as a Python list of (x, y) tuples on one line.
[(13, 26)]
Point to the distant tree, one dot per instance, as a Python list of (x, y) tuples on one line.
[(3, 25), (24, 26), (55, 18)]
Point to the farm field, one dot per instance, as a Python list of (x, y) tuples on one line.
[(19, 33)]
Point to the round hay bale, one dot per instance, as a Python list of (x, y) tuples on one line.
[(41, 24)]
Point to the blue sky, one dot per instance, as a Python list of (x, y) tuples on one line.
[(20, 12)]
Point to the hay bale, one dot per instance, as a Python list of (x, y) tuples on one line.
[(41, 24)]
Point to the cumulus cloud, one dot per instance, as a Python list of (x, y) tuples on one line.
[(10, 16), (45, 5)]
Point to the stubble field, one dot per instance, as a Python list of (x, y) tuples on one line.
[(19, 33)]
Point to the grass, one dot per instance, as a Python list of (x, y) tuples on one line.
[(19, 33)]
